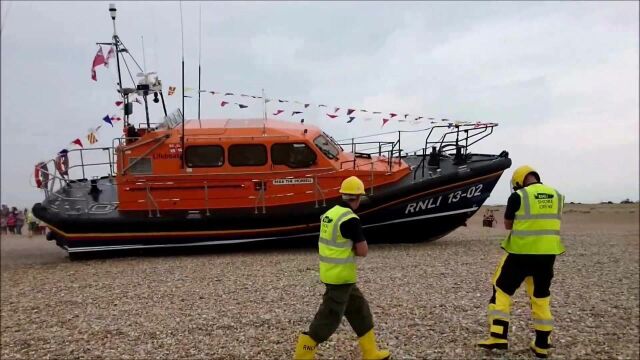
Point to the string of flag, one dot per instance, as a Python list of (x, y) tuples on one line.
[(351, 113)]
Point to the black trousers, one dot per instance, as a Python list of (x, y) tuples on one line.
[(338, 301), (516, 267)]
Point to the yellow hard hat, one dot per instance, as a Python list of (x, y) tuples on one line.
[(352, 186), (517, 180)]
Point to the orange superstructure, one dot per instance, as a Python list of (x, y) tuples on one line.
[(228, 163)]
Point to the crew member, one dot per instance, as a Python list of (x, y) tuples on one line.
[(341, 240), (533, 215)]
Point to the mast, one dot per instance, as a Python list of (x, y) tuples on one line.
[(112, 12)]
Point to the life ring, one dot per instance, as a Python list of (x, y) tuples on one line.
[(41, 175), (62, 164)]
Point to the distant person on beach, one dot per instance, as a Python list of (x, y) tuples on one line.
[(4, 214), (341, 240), (31, 223), (533, 216), (20, 220), (11, 222)]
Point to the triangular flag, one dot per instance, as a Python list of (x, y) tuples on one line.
[(384, 122), (418, 118), (212, 92), (322, 105), (351, 119), (114, 118), (172, 90), (97, 61), (377, 112), (296, 113), (350, 111), (336, 110), (107, 119), (118, 103), (224, 103), (332, 116), (363, 110), (225, 94), (278, 112), (77, 142), (392, 114), (243, 106), (283, 101), (110, 54), (306, 106), (405, 115), (244, 95)]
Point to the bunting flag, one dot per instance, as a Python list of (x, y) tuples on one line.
[(172, 90), (107, 119), (227, 94), (118, 103), (376, 112), (350, 111), (222, 104), (283, 101), (296, 113), (351, 118), (384, 122), (244, 95), (278, 112), (418, 118), (110, 54), (77, 142), (392, 115), (212, 92), (336, 110), (242, 106), (92, 138), (332, 116), (97, 61), (363, 110), (306, 105), (405, 116), (322, 105), (114, 118)]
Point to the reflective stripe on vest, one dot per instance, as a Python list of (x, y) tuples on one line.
[(536, 227), (337, 259)]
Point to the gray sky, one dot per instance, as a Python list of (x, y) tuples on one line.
[(561, 78)]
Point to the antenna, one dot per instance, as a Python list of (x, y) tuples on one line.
[(199, 59), (144, 59), (183, 113), (264, 122), (112, 12)]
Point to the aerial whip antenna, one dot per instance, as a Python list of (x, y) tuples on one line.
[(183, 114), (199, 59)]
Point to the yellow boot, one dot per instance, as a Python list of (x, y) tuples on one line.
[(494, 343), (306, 348), (370, 349), (539, 352)]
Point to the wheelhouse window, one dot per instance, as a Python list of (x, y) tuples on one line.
[(326, 146), (293, 155), (204, 156), (247, 155)]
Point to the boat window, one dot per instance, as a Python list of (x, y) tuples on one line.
[(293, 155), (326, 146), (247, 155), (204, 156), (142, 166)]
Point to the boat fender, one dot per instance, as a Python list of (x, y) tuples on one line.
[(41, 175)]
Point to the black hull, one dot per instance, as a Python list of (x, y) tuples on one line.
[(411, 210)]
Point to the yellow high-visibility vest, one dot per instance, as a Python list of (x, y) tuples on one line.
[(337, 258), (536, 228)]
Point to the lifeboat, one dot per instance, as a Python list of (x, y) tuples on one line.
[(235, 181)]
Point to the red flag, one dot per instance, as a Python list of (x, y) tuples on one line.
[(350, 111), (392, 114), (384, 122), (97, 61), (118, 103), (77, 142), (110, 54), (332, 116), (278, 112), (224, 103), (115, 118)]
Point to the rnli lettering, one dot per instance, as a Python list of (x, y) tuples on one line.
[(451, 198), (165, 156), (292, 181), (544, 201)]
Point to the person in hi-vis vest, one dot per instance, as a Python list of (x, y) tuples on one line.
[(341, 240), (533, 215)]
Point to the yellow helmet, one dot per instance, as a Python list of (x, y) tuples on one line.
[(517, 179), (352, 186)]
